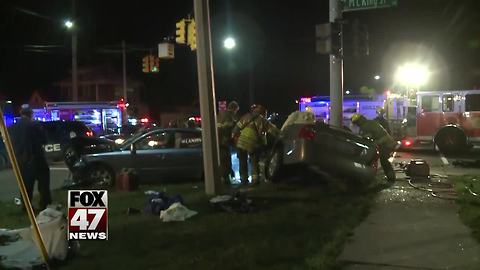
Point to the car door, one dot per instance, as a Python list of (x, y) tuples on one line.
[(188, 154), (153, 157)]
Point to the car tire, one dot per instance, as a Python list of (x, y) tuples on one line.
[(100, 175), (274, 165), (71, 156), (451, 140)]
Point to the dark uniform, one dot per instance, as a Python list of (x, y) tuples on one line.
[(382, 139), (384, 123), (251, 131), (226, 121), (28, 139)]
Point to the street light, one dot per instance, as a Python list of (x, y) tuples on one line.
[(412, 75), (68, 24), (377, 77), (229, 43)]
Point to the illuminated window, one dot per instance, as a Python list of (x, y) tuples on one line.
[(448, 103)]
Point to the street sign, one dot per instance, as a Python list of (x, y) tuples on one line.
[(354, 5)]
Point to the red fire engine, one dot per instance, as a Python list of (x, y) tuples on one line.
[(449, 119)]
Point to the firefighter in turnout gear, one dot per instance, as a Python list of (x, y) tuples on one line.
[(250, 136), (383, 140), (382, 120), (225, 122)]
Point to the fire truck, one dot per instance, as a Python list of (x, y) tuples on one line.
[(448, 119)]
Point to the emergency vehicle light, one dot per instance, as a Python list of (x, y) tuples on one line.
[(305, 99)]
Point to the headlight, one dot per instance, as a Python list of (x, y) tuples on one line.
[(119, 141)]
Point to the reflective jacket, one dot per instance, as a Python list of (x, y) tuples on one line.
[(374, 130), (251, 130)]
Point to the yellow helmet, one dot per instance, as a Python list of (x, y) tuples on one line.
[(308, 109), (356, 118)]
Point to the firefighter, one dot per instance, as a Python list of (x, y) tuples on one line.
[(383, 140), (28, 139), (250, 138), (225, 122), (382, 120)]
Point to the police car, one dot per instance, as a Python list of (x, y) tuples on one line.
[(59, 134)]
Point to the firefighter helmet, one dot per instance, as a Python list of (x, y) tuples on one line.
[(357, 118)]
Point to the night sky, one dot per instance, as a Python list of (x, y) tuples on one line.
[(276, 38)]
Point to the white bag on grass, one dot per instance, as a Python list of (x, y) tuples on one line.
[(176, 212)]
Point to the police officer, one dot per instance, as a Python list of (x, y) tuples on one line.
[(382, 120), (28, 139), (225, 122), (251, 131), (382, 139)]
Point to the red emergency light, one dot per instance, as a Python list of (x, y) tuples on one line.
[(144, 120), (89, 133)]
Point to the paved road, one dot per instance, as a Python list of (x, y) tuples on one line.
[(410, 229), (9, 189)]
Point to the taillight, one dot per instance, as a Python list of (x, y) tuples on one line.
[(89, 133), (307, 133), (407, 143)]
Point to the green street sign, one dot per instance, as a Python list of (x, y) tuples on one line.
[(354, 5)]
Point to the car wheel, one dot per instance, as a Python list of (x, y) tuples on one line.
[(101, 176), (274, 165), (71, 156)]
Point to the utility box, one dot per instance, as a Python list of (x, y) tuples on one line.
[(418, 169)]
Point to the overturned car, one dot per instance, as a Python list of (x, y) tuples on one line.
[(306, 145)]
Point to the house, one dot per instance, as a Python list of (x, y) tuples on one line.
[(97, 84)]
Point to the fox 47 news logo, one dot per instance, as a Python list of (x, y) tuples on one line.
[(87, 215)]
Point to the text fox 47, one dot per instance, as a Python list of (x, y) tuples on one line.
[(87, 215)]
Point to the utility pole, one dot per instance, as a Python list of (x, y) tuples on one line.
[(336, 72), (124, 60), (74, 54), (206, 88)]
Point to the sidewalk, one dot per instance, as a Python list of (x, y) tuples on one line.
[(409, 229)]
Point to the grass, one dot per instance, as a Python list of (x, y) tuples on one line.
[(469, 204), (295, 227)]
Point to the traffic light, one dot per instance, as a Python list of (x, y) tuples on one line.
[(192, 35), (329, 38), (180, 32), (146, 64), (154, 64)]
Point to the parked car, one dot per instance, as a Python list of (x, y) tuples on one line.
[(323, 149), (154, 154)]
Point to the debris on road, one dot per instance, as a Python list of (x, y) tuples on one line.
[(176, 212), (466, 163), (17, 247), (158, 201), (238, 203)]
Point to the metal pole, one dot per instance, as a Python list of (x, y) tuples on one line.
[(206, 89), (26, 201), (124, 59), (74, 55), (336, 73), (251, 85)]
